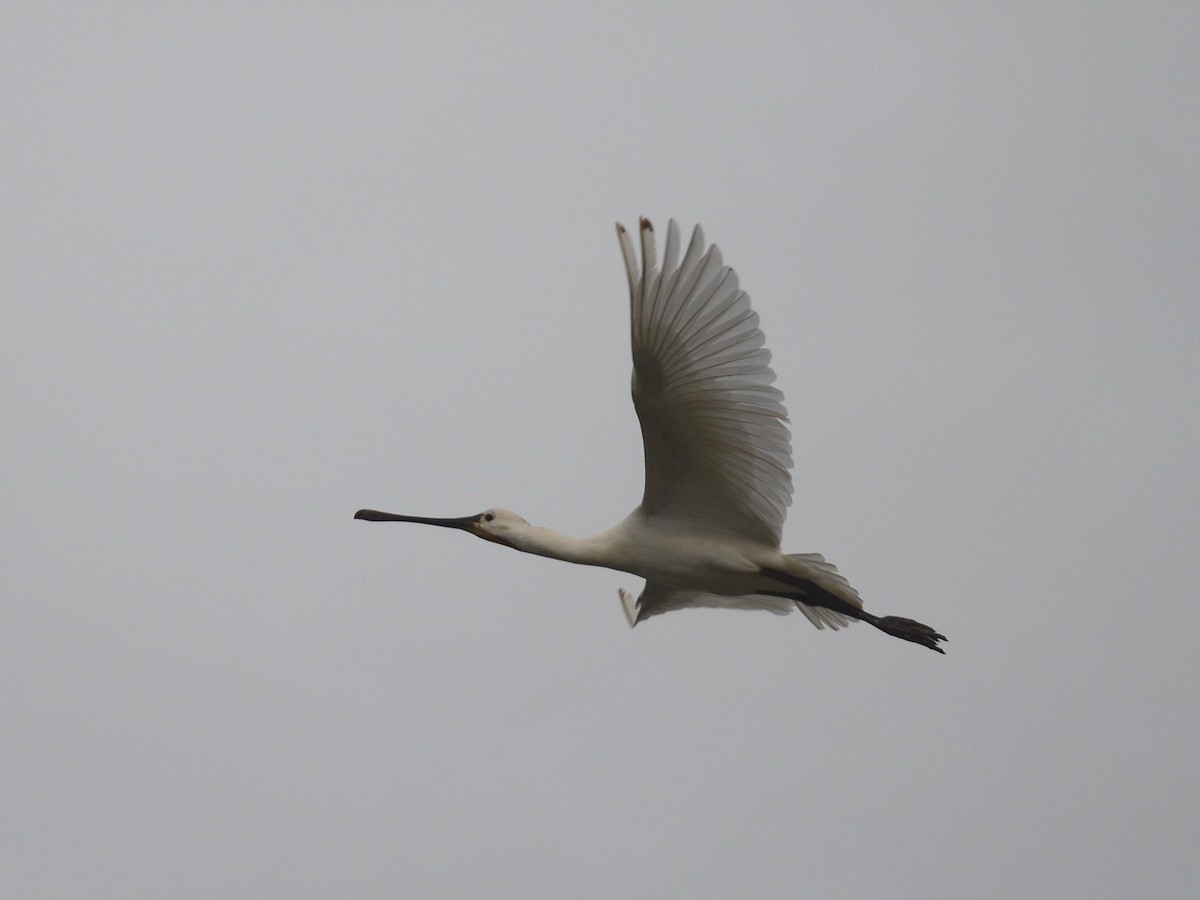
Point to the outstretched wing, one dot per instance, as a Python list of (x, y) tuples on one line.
[(656, 599), (714, 429)]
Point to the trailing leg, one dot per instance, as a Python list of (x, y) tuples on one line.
[(810, 594)]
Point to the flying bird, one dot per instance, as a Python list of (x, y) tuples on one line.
[(718, 459)]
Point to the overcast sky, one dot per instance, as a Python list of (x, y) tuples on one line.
[(265, 264)]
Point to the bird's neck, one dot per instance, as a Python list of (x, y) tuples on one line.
[(587, 551)]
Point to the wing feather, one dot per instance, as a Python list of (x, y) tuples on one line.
[(714, 431), (657, 599)]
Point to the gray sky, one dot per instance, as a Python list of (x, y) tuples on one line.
[(266, 264)]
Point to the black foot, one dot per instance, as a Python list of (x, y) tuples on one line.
[(910, 631)]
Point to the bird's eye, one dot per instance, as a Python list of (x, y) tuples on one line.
[(487, 517)]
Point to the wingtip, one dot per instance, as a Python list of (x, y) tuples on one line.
[(629, 605), (647, 225)]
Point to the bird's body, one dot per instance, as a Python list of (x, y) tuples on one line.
[(717, 454), (670, 556)]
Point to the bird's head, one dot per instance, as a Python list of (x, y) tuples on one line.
[(498, 525)]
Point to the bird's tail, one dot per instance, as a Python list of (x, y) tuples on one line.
[(815, 568)]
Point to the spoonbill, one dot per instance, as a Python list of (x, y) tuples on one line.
[(717, 454)]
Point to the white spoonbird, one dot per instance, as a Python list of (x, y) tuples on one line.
[(717, 458)]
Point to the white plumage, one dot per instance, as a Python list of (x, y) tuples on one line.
[(717, 454)]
